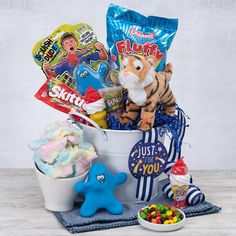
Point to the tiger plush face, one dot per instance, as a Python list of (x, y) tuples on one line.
[(136, 72), (146, 90)]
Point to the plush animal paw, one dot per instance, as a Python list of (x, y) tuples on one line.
[(124, 120), (144, 126), (147, 121), (170, 109), (169, 71)]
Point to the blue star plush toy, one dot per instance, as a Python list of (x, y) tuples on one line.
[(99, 191), (87, 77)]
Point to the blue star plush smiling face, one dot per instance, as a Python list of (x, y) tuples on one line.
[(99, 175), (101, 178)]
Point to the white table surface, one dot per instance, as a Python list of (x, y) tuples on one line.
[(22, 211)]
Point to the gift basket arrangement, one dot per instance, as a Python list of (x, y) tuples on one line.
[(119, 148)]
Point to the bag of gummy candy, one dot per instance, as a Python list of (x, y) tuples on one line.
[(129, 32)]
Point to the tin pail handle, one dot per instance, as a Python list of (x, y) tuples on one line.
[(100, 130)]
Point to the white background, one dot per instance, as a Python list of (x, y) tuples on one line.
[(203, 54)]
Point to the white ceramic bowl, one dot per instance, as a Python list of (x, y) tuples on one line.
[(162, 227)]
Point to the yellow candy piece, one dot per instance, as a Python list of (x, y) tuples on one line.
[(153, 213), (152, 207), (166, 222), (174, 219), (171, 222), (168, 213)]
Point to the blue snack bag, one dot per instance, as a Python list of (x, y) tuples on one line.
[(129, 32)]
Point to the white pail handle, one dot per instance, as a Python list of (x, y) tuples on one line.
[(101, 131)]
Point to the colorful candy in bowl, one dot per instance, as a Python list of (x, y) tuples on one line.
[(161, 217)]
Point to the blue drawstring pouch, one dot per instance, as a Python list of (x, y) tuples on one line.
[(129, 32)]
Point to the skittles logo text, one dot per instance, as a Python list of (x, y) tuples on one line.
[(61, 93), (146, 49), (147, 159)]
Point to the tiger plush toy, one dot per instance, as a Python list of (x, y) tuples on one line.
[(147, 89)]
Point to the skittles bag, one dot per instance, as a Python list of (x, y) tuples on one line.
[(129, 32), (73, 61)]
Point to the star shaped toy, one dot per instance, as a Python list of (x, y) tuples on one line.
[(99, 191)]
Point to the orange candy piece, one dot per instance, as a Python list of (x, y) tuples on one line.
[(154, 221)]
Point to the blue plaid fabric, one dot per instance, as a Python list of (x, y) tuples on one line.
[(74, 223)]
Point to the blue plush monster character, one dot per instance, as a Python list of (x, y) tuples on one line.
[(99, 191), (86, 77)]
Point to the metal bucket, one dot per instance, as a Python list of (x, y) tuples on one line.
[(113, 148)]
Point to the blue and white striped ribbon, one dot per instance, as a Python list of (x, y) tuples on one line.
[(194, 194), (175, 144), (145, 184)]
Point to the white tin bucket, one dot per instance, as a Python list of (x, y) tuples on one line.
[(58, 194), (113, 148)]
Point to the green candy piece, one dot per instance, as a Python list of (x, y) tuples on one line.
[(142, 215), (145, 210), (163, 210), (163, 216), (178, 219), (166, 208), (178, 214)]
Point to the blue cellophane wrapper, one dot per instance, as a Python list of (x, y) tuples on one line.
[(124, 24)]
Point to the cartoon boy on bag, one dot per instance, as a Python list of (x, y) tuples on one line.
[(74, 56)]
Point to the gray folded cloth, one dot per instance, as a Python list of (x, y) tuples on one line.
[(74, 223)]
